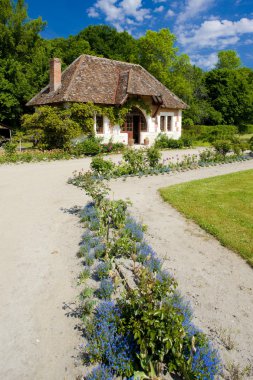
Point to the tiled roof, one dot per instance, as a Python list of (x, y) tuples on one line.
[(105, 81)]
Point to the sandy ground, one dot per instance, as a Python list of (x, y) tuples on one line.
[(38, 267)]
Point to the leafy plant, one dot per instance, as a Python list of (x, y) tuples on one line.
[(222, 146), (10, 147), (155, 324), (101, 166), (94, 187), (89, 259), (124, 246), (136, 159), (87, 308), (84, 275), (153, 156), (103, 269), (86, 293), (89, 147)]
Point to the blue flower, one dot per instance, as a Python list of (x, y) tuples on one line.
[(103, 269), (101, 372), (147, 256), (134, 229), (106, 289), (185, 309), (206, 363), (106, 344)]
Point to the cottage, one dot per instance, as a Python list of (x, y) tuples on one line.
[(111, 83)]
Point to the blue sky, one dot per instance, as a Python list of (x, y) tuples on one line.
[(202, 27)]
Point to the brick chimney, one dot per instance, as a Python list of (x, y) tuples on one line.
[(55, 74)]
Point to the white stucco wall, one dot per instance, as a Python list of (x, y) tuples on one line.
[(114, 134)]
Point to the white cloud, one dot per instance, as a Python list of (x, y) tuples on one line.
[(118, 12), (215, 34), (159, 9), (170, 13), (205, 61), (159, 1), (193, 8), (92, 12), (249, 41)]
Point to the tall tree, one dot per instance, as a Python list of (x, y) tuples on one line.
[(230, 92), (22, 59), (158, 53), (105, 41), (228, 59)]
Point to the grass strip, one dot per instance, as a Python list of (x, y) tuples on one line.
[(222, 205)]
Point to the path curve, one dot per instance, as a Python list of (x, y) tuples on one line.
[(38, 268)]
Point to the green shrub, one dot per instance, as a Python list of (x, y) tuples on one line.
[(55, 125), (153, 156), (251, 144), (89, 147), (136, 160), (155, 324), (187, 141), (187, 122), (10, 147), (222, 146), (238, 146), (210, 133), (124, 246), (245, 128), (112, 147), (175, 144), (162, 141), (101, 166), (103, 270)]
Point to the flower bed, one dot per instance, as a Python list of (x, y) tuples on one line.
[(144, 162), (90, 147), (138, 326)]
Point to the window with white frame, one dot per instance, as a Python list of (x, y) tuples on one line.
[(166, 122), (169, 123), (162, 123), (99, 124)]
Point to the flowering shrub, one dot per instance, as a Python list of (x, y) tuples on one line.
[(134, 230), (143, 162), (103, 270), (107, 344), (101, 166), (147, 257), (101, 372), (106, 289), (150, 331), (206, 362)]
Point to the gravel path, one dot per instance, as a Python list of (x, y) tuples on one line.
[(38, 268)]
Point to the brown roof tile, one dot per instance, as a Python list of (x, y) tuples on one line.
[(105, 81)]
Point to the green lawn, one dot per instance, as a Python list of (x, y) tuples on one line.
[(245, 137), (221, 205)]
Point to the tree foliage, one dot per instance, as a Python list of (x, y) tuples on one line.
[(228, 59), (222, 95), (231, 93)]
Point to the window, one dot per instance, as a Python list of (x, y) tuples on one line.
[(169, 126), (165, 123), (143, 124), (129, 123), (162, 123), (99, 124)]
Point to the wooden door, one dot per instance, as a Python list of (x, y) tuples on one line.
[(128, 127)]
